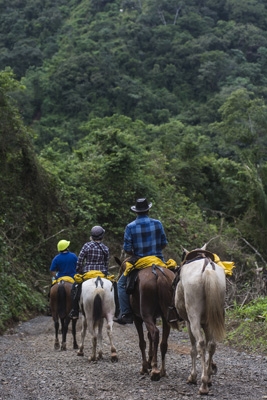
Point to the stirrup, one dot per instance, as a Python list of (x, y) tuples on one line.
[(74, 314), (173, 315)]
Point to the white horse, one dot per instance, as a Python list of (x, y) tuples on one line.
[(97, 303), (199, 299)]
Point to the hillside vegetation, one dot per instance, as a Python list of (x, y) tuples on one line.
[(105, 101)]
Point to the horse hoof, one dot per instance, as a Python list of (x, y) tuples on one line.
[(114, 358), (155, 376), (191, 381), (144, 371), (56, 346), (75, 346), (203, 392), (214, 368), (80, 353)]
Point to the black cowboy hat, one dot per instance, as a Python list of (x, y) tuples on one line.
[(141, 206)]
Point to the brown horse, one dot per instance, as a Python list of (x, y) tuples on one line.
[(152, 298), (61, 304)]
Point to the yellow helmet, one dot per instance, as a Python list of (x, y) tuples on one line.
[(63, 245)]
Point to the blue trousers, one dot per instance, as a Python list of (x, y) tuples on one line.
[(124, 299)]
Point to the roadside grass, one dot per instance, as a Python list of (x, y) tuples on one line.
[(246, 326)]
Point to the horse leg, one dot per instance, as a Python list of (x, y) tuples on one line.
[(164, 345), (211, 366), (83, 333), (100, 339), (154, 332), (94, 343), (65, 324), (197, 337), (114, 357), (192, 378), (75, 344), (92, 328), (150, 350), (142, 345), (205, 379), (56, 344)]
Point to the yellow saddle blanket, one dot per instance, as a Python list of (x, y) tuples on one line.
[(80, 278), (227, 265), (63, 278), (145, 262)]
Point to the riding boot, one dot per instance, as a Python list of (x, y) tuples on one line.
[(124, 319), (75, 294), (116, 298)]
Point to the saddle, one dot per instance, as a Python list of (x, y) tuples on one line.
[(131, 281), (132, 277), (197, 254)]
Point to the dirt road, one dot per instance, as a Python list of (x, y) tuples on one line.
[(32, 370)]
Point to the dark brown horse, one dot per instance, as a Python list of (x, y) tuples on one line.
[(152, 298), (61, 304)]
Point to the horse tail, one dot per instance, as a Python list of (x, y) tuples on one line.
[(61, 300), (214, 305), (97, 308)]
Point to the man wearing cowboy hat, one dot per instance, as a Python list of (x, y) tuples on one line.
[(142, 237)]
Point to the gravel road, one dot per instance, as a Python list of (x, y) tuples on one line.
[(32, 370)]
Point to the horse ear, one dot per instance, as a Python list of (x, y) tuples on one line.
[(184, 250), (118, 261)]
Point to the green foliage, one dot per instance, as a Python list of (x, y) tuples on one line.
[(242, 127), (27, 32), (249, 336), (125, 100), (246, 326), (17, 300), (254, 310), (30, 213)]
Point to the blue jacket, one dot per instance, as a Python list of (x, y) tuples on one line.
[(64, 264)]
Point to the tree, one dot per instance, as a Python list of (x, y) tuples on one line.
[(241, 133)]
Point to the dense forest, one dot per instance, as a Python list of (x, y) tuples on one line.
[(104, 101)]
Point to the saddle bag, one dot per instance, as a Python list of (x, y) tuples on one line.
[(131, 280)]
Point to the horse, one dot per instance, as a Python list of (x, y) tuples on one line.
[(60, 305), (199, 300), (152, 298), (97, 304)]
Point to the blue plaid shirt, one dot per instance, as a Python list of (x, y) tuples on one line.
[(145, 237), (93, 256)]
